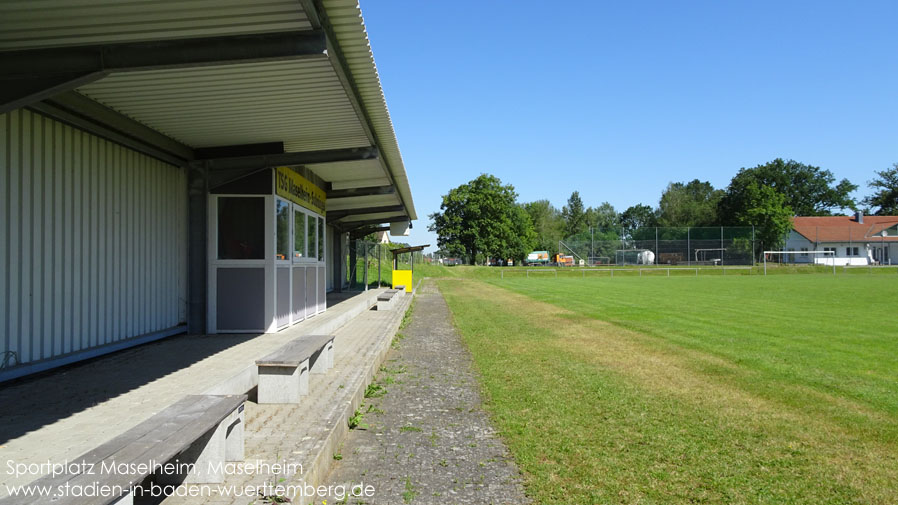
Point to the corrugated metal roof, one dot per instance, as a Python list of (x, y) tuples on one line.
[(298, 102), (302, 103), (349, 170), (346, 19), (361, 202), (28, 24), (369, 217)]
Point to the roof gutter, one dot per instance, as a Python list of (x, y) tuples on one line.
[(317, 15)]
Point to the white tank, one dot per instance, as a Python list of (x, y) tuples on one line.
[(645, 258)]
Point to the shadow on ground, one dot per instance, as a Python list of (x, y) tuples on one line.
[(36, 401)]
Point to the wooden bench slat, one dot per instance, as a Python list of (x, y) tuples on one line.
[(387, 295), (159, 438), (295, 352)]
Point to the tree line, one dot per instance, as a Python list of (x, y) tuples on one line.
[(483, 219)]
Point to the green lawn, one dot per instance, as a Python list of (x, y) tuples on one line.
[(710, 389)]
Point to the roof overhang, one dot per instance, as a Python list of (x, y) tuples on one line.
[(297, 74)]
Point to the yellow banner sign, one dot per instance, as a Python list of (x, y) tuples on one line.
[(299, 190)]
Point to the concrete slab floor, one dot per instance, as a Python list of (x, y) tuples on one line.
[(64, 413)]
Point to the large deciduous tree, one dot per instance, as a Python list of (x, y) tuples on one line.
[(482, 218), (603, 217), (808, 190), (689, 204), (547, 223), (748, 203), (638, 216), (885, 198)]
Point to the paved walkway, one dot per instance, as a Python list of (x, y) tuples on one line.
[(303, 438), (427, 438), (64, 413)]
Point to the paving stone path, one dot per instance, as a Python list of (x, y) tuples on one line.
[(424, 437)]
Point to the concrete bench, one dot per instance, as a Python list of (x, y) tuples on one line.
[(387, 299), (202, 430), (284, 374)]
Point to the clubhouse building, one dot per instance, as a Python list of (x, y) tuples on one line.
[(854, 240), (183, 167)]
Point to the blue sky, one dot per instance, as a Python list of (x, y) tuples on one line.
[(617, 99)]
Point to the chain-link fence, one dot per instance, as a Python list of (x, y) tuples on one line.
[(662, 246)]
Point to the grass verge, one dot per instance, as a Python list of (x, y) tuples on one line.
[(766, 395)]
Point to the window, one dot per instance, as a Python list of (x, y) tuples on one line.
[(829, 249), (299, 235), (241, 228), (851, 251), (804, 252), (320, 239), (311, 235), (282, 223)]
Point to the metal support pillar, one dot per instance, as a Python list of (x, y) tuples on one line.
[(353, 262), (197, 255), (337, 251)]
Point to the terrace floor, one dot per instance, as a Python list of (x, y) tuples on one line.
[(61, 414)]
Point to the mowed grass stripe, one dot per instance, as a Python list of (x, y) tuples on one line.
[(598, 413), (833, 334)]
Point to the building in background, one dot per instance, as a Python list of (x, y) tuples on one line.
[(855, 240)]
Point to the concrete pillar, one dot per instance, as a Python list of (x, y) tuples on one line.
[(330, 354), (234, 435), (283, 384), (319, 362), (206, 454)]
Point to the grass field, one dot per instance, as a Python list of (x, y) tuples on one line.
[(749, 389)]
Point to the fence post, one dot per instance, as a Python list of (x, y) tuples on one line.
[(752, 244), (688, 247), (657, 251), (366, 266), (380, 253)]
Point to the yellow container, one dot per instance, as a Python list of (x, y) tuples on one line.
[(403, 278)]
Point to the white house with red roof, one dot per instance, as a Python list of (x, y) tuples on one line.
[(855, 240)]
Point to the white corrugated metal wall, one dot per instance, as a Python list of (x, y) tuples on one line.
[(94, 241)]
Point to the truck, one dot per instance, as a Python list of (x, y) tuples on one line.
[(537, 258), (563, 260)]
